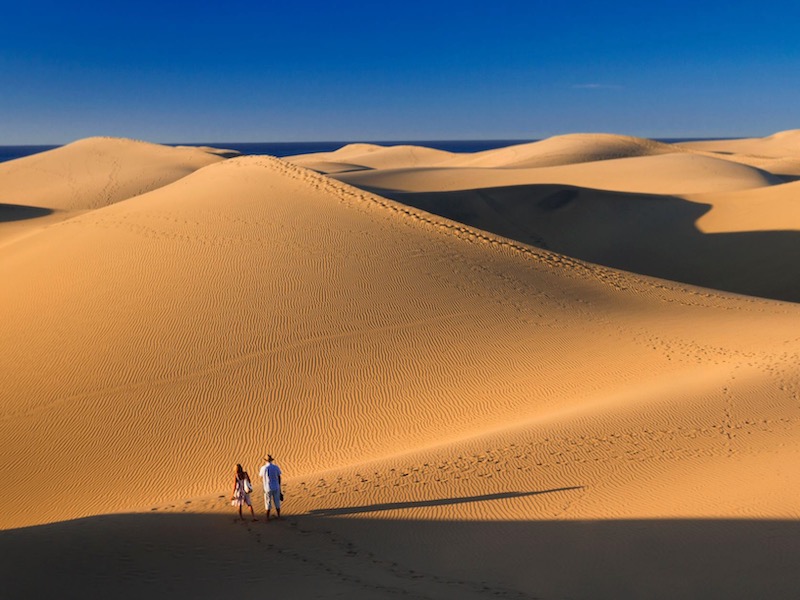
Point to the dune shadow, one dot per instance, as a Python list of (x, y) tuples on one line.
[(789, 178), (338, 168), (642, 233), (168, 555), (350, 510), (20, 212)]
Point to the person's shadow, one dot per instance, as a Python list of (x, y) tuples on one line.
[(349, 510), (19, 212)]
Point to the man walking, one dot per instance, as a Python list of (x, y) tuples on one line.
[(271, 475)]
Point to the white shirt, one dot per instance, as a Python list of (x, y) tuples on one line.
[(269, 474)]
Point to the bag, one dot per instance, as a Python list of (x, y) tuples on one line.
[(248, 489)]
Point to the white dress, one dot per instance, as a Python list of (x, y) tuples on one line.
[(240, 496)]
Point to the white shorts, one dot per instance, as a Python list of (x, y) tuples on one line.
[(272, 496)]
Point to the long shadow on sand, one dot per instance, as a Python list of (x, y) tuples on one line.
[(211, 556), (19, 212), (351, 510), (647, 234)]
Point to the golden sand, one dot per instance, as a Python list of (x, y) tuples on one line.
[(464, 405)]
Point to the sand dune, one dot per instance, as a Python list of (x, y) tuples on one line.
[(777, 145), (768, 209), (778, 153), (689, 216), (558, 150), (677, 173), (564, 150), (88, 174), (247, 288), (373, 156), (459, 415)]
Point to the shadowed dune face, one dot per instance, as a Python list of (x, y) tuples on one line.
[(650, 234), (206, 555)]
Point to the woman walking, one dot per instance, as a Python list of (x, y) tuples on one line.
[(241, 491)]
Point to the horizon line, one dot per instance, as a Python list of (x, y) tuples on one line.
[(385, 140)]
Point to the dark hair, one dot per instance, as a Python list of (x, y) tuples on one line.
[(239, 471)]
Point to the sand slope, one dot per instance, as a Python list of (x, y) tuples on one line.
[(248, 288), (458, 415), (91, 173), (778, 153)]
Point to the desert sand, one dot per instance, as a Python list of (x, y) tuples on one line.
[(52, 186), (569, 369)]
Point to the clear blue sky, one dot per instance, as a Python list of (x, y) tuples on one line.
[(265, 70)]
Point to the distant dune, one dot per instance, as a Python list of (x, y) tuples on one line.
[(778, 145), (86, 175), (677, 173), (778, 153), (372, 156), (565, 150), (652, 212), (458, 413)]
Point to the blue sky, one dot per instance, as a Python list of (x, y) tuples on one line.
[(173, 71)]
